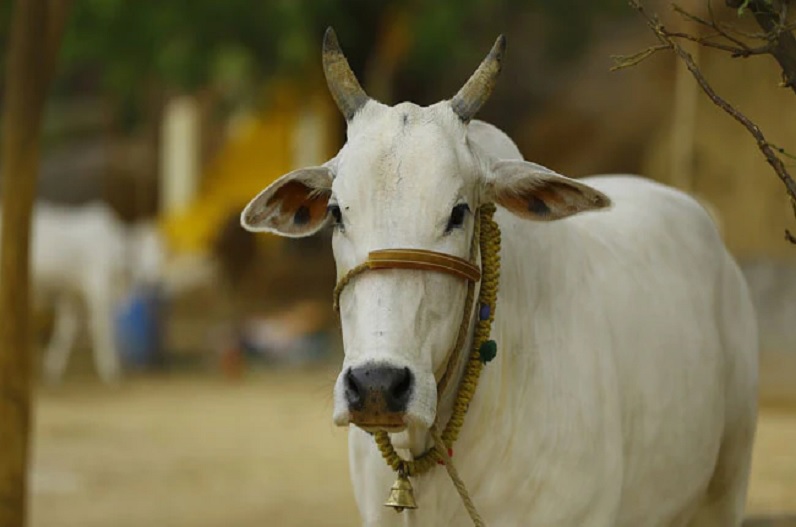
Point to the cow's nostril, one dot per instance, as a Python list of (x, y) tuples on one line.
[(400, 389), (378, 388), (354, 393)]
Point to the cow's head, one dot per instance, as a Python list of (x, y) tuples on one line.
[(407, 177)]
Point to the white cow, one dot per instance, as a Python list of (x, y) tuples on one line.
[(78, 254), (623, 392)]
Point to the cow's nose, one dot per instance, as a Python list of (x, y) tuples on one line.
[(371, 387)]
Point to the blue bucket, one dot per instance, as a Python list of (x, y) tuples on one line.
[(138, 328)]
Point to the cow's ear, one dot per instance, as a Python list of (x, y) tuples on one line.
[(294, 205), (534, 192)]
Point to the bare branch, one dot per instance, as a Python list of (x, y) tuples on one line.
[(711, 24), (707, 41), (720, 29), (737, 48), (694, 18), (765, 147), (626, 61)]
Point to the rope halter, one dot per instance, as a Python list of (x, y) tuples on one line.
[(487, 235)]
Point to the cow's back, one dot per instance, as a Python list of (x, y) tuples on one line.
[(76, 247)]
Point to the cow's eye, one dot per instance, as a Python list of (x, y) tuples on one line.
[(457, 216), (334, 210)]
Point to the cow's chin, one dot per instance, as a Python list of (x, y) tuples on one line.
[(373, 428), (378, 420), (392, 423)]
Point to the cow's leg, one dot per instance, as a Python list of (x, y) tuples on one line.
[(62, 340), (723, 505), (100, 314), (724, 501)]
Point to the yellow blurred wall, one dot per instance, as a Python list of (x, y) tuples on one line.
[(261, 147)]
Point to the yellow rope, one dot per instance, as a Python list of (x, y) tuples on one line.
[(455, 356), (489, 241), (356, 271), (457, 480)]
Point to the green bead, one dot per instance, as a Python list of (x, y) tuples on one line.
[(487, 351)]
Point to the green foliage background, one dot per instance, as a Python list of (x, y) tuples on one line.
[(122, 48)]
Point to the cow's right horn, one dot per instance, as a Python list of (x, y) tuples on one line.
[(343, 84), (479, 86)]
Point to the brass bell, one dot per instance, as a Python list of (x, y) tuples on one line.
[(401, 495)]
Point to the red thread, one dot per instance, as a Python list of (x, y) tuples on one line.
[(450, 455)]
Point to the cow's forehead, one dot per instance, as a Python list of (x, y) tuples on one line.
[(405, 152)]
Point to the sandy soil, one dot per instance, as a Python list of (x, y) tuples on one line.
[(189, 451)]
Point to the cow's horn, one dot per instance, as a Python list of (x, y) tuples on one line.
[(343, 84), (479, 86)]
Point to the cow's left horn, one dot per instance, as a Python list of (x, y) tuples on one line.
[(343, 84), (479, 86)]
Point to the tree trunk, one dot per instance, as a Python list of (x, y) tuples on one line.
[(36, 30)]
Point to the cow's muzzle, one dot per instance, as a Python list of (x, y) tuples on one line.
[(378, 395)]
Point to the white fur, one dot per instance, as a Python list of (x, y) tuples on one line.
[(77, 253), (623, 392), (85, 255)]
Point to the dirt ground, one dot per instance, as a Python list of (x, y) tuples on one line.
[(202, 451)]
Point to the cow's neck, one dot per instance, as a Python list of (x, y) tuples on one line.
[(534, 260)]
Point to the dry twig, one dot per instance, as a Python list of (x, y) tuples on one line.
[(626, 61), (720, 29), (735, 51), (667, 41)]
